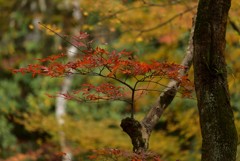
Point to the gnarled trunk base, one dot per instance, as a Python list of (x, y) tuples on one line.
[(138, 134)]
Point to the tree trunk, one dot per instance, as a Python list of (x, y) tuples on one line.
[(61, 109), (140, 132), (210, 77), (67, 82)]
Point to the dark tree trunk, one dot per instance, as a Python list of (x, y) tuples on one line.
[(210, 77)]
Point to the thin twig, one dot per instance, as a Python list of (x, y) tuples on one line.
[(168, 21), (62, 37)]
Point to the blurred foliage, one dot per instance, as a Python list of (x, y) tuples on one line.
[(7, 139), (154, 30)]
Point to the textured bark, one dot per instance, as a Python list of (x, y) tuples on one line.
[(137, 133), (140, 132), (210, 78)]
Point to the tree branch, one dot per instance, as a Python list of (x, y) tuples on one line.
[(234, 26), (159, 5), (145, 4), (170, 91), (166, 22), (139, 132)]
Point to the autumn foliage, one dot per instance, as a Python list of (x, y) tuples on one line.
[(125, 77), (118, 155)]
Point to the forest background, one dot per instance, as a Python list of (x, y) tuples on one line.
[(153, 30)]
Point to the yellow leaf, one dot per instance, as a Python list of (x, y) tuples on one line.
[(31, 26), (139, 39)]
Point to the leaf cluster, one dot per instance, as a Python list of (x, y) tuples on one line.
[(118, 155), (114, 67)]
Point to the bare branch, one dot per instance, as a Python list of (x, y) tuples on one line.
[(234, 26), (168, 21), (160, 5), (145, 4), (62, 37), (170, 91)]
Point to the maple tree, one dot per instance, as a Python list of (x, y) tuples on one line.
[(170, 37), (125, 78), (114, 67)]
